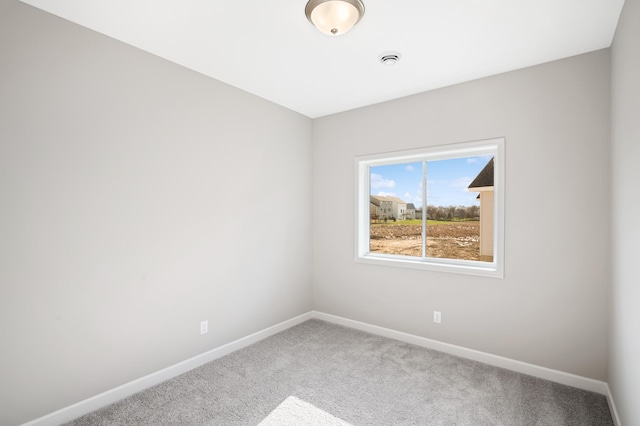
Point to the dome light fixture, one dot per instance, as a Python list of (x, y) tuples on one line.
[(334, 17)]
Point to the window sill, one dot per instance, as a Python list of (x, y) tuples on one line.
[(466, 267)]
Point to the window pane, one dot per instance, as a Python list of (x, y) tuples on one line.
[(396, 209), (460, 208), (461, 188)]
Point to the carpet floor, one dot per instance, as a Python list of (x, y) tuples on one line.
[(358, 378)]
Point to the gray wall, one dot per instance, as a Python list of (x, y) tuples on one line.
[(624, 355), (551, 308), (137, 199)]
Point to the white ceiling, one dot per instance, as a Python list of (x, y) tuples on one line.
[(268, 48)]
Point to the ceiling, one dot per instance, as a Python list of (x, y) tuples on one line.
[(268, 48)]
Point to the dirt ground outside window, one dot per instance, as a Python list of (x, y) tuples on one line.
[(450, 240)]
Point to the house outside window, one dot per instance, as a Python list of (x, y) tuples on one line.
[(438, 208)]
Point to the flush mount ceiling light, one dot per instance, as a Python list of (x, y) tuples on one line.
[(334, 17)]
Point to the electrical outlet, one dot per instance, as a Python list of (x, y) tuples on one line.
[(204, 327), (437, 317)]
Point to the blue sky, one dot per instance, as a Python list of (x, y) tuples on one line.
[(447, 181)]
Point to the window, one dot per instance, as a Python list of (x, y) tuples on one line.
[(438, 208)]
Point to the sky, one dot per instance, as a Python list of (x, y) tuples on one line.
[(447, 181)]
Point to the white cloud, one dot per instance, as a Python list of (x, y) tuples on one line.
[(481, 159), (386, 194), (377, 181), (415, 199), (461, 182), (409, 168)]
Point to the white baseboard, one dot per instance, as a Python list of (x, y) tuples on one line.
[(612, 408), (109, 397), (486, 358), (102, 400)]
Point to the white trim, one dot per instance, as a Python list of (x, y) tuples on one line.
[(362, 196), (612, 408), (106, 398), (467, 267), (109, 397), (481, 189), (486, 358)]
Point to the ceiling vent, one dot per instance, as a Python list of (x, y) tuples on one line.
[(389, 58)]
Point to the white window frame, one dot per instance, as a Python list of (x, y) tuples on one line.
[(363, 166)]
